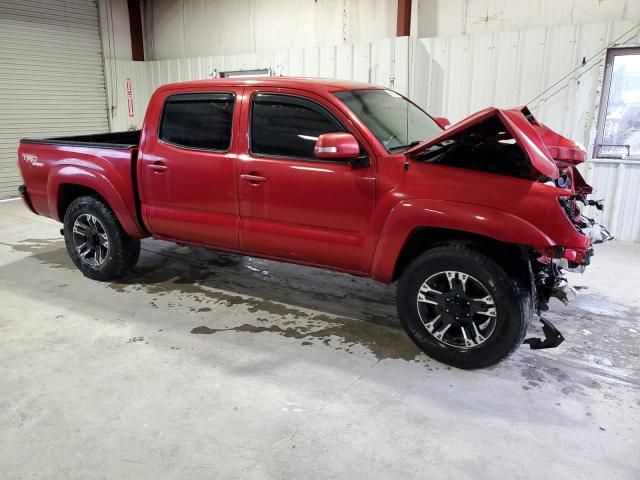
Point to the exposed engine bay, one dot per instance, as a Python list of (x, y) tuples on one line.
[(486, 146)]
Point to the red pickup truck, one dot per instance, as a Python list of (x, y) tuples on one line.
[(475, 222)]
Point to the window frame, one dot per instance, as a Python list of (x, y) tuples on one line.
[(289, 157), (190, 93), (611, 54)]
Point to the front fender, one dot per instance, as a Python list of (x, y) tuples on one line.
[(408, 215), (73, 175)]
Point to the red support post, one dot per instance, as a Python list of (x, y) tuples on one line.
[(135, 28), (404, 18)]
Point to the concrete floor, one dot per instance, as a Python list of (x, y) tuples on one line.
[(205, 365)]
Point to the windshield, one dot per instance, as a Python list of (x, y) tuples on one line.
[(396, 122)]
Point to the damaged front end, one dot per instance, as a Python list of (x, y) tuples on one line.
[(549, 268), (550, 280), (513, 143)]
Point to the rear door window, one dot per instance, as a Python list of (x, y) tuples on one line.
[(198, 120), (288, 126)]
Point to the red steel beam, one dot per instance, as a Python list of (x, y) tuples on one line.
[(135, 28), (404, 18)]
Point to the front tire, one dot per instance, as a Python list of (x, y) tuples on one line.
[(461, 308), (96, 242)]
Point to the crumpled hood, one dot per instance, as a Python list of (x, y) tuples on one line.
[(547, 150)]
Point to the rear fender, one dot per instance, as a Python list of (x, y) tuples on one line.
[(73, 175), (408, 215)]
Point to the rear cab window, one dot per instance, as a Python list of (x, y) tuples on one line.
[(288, 126), (199, 121)]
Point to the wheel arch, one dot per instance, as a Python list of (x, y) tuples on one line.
[(413, 226), (513, 258), (68, 192), (70, 183)]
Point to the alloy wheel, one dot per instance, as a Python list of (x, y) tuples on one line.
[(90, 240), (457, 309)]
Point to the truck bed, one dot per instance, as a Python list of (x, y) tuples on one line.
[(103, 163), (127, 139)]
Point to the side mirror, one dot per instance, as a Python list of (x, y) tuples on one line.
[(336, 146), (442, 121)]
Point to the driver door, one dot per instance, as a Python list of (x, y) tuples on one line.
[(293, 205)]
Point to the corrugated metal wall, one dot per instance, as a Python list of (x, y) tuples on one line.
[(450, 77), (618, 182), (461, 74), (51, 75), (383, 62)]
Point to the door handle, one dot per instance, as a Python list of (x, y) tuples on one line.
[(158, 167), (253, 179)]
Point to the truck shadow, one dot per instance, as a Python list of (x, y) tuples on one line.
[(165, 267)]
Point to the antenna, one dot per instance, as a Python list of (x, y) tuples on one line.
[(406, 158)]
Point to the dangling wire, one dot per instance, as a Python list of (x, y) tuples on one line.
[(584, 63)]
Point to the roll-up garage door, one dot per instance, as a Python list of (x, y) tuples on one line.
[(51, 76)]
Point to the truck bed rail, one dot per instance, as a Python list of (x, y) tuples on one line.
[(119, 140)]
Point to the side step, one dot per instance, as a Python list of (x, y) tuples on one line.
[(552, 337)]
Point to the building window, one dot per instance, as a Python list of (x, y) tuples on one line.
[(619, 119)]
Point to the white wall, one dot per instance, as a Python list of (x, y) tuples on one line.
[(438, 18), (114, 29), (191, 28)]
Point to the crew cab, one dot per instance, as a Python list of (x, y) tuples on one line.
[(475, 221)]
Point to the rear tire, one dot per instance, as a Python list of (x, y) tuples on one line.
[(96, 242), (486, 311)]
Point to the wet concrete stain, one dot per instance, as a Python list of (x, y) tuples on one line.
[(201, 282), (537, 373), (203, 330), (212, 278), (51, 251), (34, 245), (382, 342)]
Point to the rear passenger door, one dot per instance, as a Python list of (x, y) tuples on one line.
[(188, 169), (293, 205)]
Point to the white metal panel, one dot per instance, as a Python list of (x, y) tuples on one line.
[(362, 63), (507, 78), (482, 68), (51, 75), (400, 71), (327, 62), (296, 62), (311, 62), (617, 183), (381, 67), (385, 62), (344, 62)]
